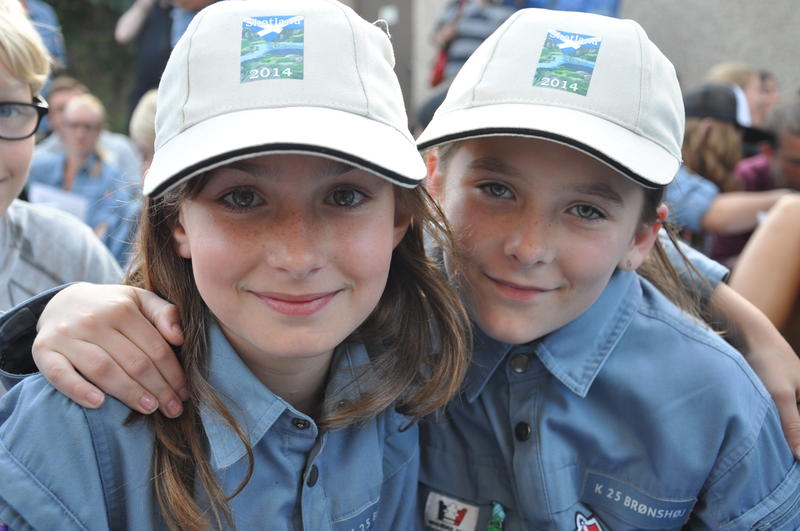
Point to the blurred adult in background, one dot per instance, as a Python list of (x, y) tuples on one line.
[(768, 271), (117, 148), (609, 8), (149, 23), (463, 26), (745, 77), (183, 13), (40, 247), (704, 199), (770, 93), (82, 180), (777, 166)]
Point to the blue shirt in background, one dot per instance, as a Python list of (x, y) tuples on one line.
[(107, 192), (689, 197), (601, 7), (632, 416), (65, 467)]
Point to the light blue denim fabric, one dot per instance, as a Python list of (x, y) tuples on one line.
[(65, 467), (630, 417), (107, 194), (689, 197)]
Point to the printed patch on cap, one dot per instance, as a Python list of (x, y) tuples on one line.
[(634, 506), (448, 514), (272, 48), (567, 62), (587, 523)]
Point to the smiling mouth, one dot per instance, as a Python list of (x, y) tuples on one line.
[(517, 292), (297, 305)]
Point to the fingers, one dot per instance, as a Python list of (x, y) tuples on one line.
[(162, 314), (787, 403), (100, 334), (66, 379)]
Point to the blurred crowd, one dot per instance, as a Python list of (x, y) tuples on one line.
[(741, 148)]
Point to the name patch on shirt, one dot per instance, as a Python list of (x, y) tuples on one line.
[(567, 62), (272, 48), (632, 505), (448, 514)]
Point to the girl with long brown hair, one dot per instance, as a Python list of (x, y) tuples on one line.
[(283, 218)]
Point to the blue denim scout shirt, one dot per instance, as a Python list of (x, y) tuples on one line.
[(65, 467), (630, 417)]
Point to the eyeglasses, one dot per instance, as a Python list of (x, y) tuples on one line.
[(21, 120), (91, 128)]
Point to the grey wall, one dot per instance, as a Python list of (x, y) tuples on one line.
[(696, 34)]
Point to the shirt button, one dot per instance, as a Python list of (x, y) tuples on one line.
[(313, 476), (300, 424), (520, 363), (522, 431)]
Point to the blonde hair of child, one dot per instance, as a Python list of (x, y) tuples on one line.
[(22, 51), (142, 128)]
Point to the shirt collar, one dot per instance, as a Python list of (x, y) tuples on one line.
[(253, 405), (576, 352)]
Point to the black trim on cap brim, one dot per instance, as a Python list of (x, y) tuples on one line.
[(535, 133), (270, 148)]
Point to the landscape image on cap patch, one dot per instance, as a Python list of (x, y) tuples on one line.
[(567, 62), (272, 48)]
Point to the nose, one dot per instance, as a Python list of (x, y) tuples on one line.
[(296, 244), (530, 242)]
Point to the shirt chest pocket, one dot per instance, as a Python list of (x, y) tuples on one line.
[(623, 505), (377, 494)]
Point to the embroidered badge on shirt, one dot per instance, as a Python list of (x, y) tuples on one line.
[(272, 48), (586, 523), (448, 514), (567, 62)]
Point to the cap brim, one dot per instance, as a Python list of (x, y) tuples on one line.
[(636, 157), (339, 135)]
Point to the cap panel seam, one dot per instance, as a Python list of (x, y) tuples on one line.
[(357, 57), (190, 39), (642, 80), (497, 40)]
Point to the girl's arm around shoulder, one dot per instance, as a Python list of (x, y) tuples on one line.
[(49, 460)]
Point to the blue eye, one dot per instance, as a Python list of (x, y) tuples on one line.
[(587, 212), (242, 198), (347, 197), (497, 190), (7, 110)]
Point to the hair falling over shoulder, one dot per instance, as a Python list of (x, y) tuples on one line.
[(418, 336), (663, 273)]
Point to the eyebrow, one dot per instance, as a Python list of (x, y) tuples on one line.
[(601, 190), (494, 165), (333, 169)]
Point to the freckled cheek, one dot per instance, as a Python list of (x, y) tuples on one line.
[(365, 251)]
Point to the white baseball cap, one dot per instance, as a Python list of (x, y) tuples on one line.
[(595, 83), (280, 76)]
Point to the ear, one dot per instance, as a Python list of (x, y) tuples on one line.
[(180, 240), (643, 242), (434, 182), (402, 220)]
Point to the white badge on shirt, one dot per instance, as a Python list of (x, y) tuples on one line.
[(448, 514)]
